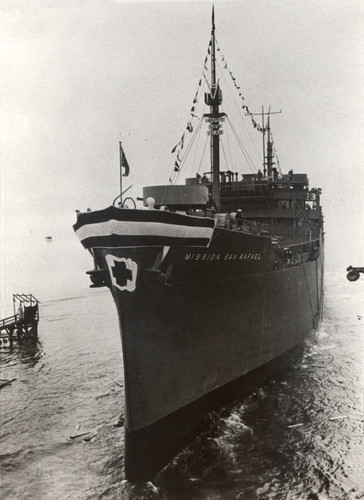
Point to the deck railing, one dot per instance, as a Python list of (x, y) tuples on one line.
[(9, 321), (232, 221)]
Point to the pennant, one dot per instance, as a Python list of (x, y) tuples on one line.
[(189, 127), (176, 167), (124, 162), (180, 143), (199, 83)]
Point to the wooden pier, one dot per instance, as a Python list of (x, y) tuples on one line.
[(23, 325)]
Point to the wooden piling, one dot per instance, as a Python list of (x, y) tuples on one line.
[(23, 325)]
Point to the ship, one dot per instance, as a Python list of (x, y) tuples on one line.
[(214, 281)]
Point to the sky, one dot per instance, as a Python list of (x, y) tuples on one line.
[(77, 77)]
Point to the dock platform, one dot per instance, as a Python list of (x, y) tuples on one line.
[(23, 325)]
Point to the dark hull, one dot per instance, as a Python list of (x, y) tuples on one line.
[(196, 318), (192, 327), (150, 449)]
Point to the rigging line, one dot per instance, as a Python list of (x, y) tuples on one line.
[(203, 154), (228, 144), (199, 136), (191, 117), (243, 149), (205, 67), (174, 175), (223, 151), (188, 149), (206, 81), (195, 155), (275, 151), (202, 77), (248, 129), (200, 87)]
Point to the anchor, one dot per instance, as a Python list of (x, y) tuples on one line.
[(97, 277), (156, 272)]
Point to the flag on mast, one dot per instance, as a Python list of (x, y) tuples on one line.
[(124, 162)]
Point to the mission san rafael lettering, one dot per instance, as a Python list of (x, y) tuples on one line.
[(222, 256)]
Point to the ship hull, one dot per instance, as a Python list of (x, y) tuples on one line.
[(185, 344), (194, 320), (150, 449)]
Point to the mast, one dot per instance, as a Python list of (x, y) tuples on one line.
[(270, 160), (267, 160), (214, 99), (121, 174), (264, 169), (270, 154)]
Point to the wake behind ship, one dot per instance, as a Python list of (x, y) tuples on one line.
[(213, 280)]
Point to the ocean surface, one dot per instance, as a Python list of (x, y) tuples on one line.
[(298, 436)]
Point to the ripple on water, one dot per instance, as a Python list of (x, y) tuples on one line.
[(276, 443)]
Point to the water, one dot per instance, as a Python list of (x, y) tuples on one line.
[(277, 443)]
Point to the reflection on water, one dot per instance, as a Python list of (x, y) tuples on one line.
[(298, 436)]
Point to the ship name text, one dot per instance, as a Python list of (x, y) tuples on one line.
[(222, 256)]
